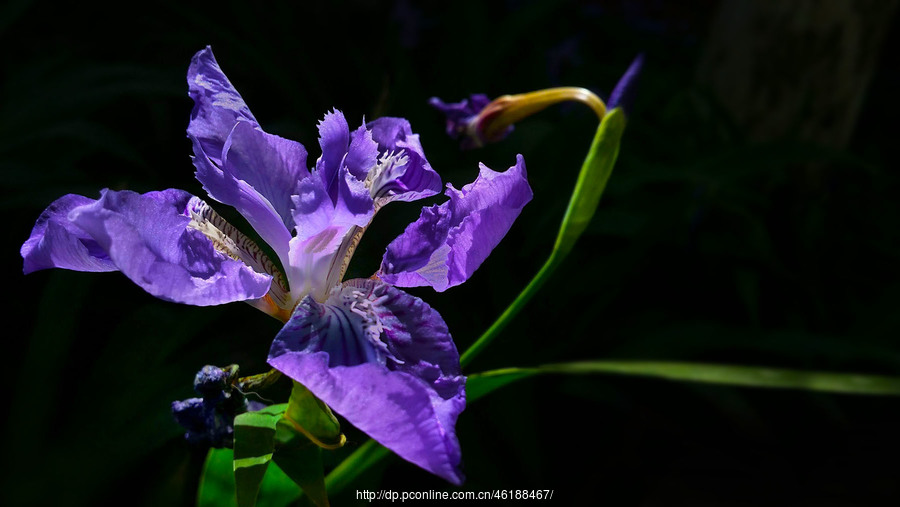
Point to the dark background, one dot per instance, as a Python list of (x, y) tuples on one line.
[(752, 219)]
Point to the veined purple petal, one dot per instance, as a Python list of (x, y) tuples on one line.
[(330, 207), (362, 155), (147, 237), (450, 241), (271, 165), (403, 173), (217, 105), (56, 242), (324, 227), (230, 241), (334, 139), (315, 210), (386, 362), (229, 183)]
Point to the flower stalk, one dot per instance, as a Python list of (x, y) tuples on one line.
[(493, 121)]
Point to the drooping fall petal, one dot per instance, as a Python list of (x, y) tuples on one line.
[(386, 362), (148, 238)]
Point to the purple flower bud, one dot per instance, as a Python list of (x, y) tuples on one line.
[(623, 94), (465, 120)]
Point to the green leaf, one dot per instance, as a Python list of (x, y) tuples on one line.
[(595, 172), (480, 384), (217, 487), (307, 426), (217, 480), (363, 458), (254, 445), (309, 416), (290, 434), (301, 460)]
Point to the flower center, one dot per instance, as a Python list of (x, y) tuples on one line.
[(229, 241), (390, 166), (360, 306)]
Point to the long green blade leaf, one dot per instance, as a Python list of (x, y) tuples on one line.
[(480, 384)]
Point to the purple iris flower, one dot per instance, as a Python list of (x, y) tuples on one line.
[(378, 356)]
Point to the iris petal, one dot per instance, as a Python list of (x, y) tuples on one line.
[(271, 165), (217, 105), (448, 242), (227, 239), (413, 179), (331, 208), (227, 185), (386, 362), (56, 242), (362, 154), (324, 225), (334, 139), (147, 237)]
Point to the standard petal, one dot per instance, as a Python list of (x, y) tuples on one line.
[(325, 230), (229, 184), (362, 154), (316, 211), (386, 362), (402, 172), (147, 237), (56, 242), (271, 165), (334, 139), (450, 241), (217, 105)]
